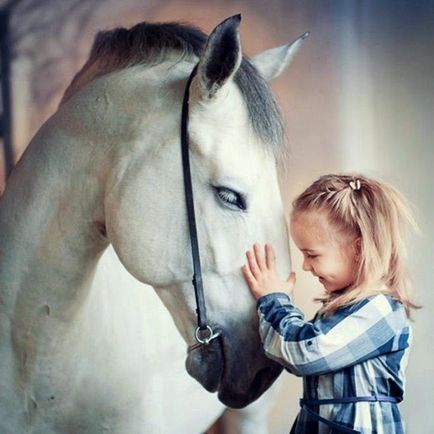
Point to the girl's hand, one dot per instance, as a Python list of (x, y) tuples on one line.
[(261, 276)]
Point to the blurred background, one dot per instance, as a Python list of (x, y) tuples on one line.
[(359, 97)]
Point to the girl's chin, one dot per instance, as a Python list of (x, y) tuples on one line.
[(336, 291), (327, 286)]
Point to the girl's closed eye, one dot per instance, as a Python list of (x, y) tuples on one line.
[(310, 255)]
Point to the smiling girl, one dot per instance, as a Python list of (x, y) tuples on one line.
[(353, 354)]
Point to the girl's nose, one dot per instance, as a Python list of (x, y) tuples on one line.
[(306, 265)]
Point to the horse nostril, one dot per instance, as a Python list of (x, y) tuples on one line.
[(206, 365)]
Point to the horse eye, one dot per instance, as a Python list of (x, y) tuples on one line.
[(231, 198)]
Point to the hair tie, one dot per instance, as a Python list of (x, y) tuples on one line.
[(355, 185)]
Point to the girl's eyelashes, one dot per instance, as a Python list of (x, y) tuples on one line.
[(231, 198)]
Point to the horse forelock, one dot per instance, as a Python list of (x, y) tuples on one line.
[(150, 43)]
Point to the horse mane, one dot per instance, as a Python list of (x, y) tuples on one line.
[(150, 43)]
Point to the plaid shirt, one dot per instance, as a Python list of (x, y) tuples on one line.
[(361, 350)]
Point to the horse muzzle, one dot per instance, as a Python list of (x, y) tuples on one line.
[(223, 367), (205, 363)]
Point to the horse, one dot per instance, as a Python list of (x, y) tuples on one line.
[(106, 169)]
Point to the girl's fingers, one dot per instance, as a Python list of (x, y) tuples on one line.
[(258, 256), (250, 279), (251, 260), (269, 256)]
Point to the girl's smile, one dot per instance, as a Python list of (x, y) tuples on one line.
[(327, 254)]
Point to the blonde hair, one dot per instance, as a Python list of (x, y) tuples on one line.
[(379, 216)]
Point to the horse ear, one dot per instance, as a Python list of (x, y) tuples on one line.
[(272, 62), (221, 58)]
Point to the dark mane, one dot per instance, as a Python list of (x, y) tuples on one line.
[(152, 42)]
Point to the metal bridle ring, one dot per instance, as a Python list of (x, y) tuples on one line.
[(207, 340)]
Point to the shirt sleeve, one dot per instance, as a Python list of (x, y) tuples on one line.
[(353, 334)]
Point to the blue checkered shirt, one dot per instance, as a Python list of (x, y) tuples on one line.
[(360, 350)]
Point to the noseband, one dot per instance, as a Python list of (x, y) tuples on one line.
[(204, 334)]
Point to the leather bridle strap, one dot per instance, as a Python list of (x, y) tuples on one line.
[(204, 333)]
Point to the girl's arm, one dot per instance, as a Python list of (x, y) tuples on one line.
[(355, 333), (350, 336)]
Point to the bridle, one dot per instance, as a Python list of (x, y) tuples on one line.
[(204, 334)]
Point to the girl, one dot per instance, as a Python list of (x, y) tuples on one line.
[(353, 354)]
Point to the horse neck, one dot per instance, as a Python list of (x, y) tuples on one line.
[(53, 207), (49, 218)]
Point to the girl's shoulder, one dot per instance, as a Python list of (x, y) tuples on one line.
[(394, 303), (377, 305), (381, 300)]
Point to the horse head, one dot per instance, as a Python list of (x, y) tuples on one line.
[(236, 137)]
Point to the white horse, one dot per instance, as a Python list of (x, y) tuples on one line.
[(106, 169)]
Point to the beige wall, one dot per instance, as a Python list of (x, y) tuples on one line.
[(359, 97)]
